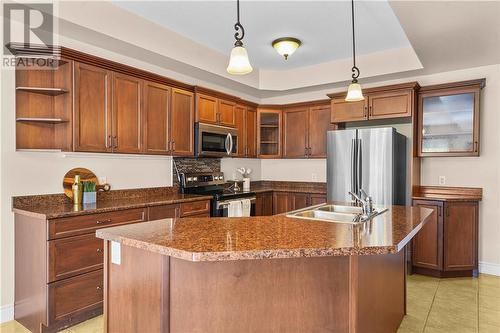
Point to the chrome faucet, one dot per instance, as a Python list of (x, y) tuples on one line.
[(366, 203)]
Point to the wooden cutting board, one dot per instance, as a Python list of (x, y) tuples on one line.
[(85, 176)]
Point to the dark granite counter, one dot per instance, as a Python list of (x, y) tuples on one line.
[(57, 205)]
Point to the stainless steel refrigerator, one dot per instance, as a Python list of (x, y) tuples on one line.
[(373, 159)]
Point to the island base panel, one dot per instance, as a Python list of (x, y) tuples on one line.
[(155, 293)]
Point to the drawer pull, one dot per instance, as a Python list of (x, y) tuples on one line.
[(98, 288), (103, 221)]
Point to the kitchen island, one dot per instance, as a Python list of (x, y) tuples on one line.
[(258, 274)]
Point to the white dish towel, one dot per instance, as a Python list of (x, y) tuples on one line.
[(234, 209), (246, 205)]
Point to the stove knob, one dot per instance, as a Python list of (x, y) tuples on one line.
[(195, 179), (190, 179), (217, 177)]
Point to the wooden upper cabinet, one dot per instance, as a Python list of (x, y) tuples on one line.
[(342, 111), (182, 123), (319, 125), (460, 236), (127, 114), (156, 118), (427, 246), (295, 132), (208, 108), (394, 101), (391, 104), (448, 119), (92, 109), (240, 122), (251, 132), (269, 133), (226, 113)]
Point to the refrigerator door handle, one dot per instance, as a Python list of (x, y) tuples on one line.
[(359, 160), (353, 165)]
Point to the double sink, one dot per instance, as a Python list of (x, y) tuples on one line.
[(335, 213)]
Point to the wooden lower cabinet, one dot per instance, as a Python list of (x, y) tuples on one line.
[(287, 201), (264, 204), (447, 246), (317, 199), (59, 263), (75, 299)]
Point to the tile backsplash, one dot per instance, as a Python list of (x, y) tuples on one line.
[(184, 164)]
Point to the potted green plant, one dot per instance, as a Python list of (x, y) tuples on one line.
[(89, 192)]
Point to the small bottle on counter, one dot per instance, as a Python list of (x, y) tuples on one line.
[(77, 189)]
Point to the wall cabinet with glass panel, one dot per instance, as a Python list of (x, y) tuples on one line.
[(449, 119)]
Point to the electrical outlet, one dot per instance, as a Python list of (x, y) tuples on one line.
[(102, 180), (442, 180), (314, 177)]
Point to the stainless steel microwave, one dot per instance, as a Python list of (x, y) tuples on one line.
[(215, 141)]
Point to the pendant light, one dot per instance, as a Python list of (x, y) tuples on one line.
[(354, 92), (238, 61)]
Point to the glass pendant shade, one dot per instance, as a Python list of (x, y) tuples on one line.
[(354, 93), (238, 62)]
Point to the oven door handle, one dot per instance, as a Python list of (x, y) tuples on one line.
[(226, 202)]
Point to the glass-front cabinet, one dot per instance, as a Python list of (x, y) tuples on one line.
[(449, 119)]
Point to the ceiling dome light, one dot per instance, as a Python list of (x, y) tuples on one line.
[(286, 46), (238, 61), (354, 92)]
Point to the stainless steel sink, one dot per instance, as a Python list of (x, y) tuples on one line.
[(335, 213), (341, 209)]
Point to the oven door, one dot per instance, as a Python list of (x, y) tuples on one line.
[(220, 208), (216, 141)]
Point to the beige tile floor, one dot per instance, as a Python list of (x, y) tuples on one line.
[(459, 305)]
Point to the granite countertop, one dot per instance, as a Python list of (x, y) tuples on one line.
[(215, 239), (49, 209), (51, 206), (443, 193)]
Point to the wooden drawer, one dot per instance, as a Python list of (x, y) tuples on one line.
[(71, 298), (206, 214), (85, 224), (74, 255), (195, 208), (163, 212)]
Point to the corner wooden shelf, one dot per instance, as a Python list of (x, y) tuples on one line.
[(43, 120), (43, 91)]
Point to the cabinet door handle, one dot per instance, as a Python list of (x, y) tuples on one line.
[(476, 146), (173, 145), (365, 111), (439, 211), (103, 221), (98, 250), (115, 141), (370, 111), (98, 288), (108, 142)]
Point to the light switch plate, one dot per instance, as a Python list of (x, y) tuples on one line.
[(116, 255), (442, 180)]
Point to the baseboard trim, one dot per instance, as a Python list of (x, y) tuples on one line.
[(489, 268), (6, 313)]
